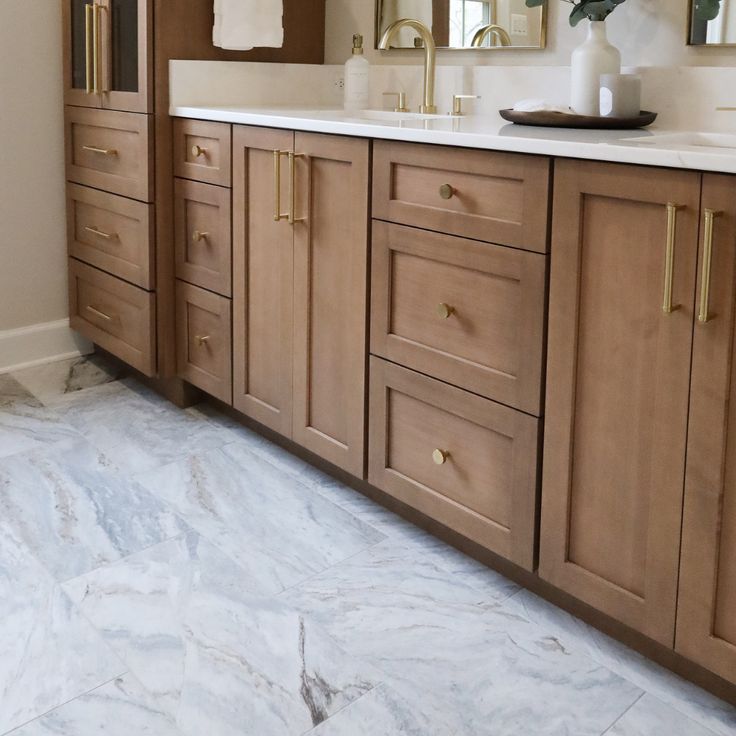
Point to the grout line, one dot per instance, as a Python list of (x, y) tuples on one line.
[(624, 713)]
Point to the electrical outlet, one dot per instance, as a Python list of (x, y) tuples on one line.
[(519, 25), (339, 83)]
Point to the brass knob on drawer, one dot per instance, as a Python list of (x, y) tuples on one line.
[(198, 236), (202, 339), (198, 151), (445, 311), (447, 191), (440, 457)]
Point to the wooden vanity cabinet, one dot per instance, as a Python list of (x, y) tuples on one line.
[(300, 239)]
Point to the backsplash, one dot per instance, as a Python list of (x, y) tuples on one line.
[(685, 97)]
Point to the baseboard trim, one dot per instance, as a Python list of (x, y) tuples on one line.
[(39, 344)]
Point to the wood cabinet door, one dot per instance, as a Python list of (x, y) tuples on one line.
[(617, 388), (706, 620), (77, 20), (126, 44), (330, 297), (263, 280)]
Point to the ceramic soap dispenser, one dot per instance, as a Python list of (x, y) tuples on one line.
[(356, 77)]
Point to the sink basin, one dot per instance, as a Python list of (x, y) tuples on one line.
[(693, 141), (388, 116)]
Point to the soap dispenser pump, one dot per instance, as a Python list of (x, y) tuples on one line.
[(356, 77)]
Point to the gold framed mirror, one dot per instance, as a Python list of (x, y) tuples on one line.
[(712, 23), (490, 25)]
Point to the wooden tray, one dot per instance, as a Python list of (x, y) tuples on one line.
[(550, 119)]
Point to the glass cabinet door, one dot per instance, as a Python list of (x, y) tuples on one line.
[(79, 30)]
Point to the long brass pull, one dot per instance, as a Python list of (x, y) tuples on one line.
[(669, 259), (710, 217), (96, 49), (277, 216), (292, 187), (103, 151), (101, 233), (88, 13), (100, 314)]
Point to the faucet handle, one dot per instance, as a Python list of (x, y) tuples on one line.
[(401, 100), (457, 103)]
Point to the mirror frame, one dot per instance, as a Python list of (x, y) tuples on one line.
[(542, 39), (689, 39)]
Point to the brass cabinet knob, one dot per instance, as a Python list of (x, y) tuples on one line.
[(447, 191), (202, 339), (197, 236), (198, 151), (445, 311), (440, 457)]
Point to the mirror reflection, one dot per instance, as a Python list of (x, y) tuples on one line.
[(712, 23), (465, 24)]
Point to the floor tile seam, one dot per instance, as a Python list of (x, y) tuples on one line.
[(626, 711), (343, 708), (17, 728)]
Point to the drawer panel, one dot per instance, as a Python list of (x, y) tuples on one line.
[(497, 197), (110, 151), (203, 340), (113, 233), (467, 462), (115, 315), (202, 151), (203, 235), (469, 313)]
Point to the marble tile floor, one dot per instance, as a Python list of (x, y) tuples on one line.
[(172, 573)]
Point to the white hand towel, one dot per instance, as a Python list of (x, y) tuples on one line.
[(241, 25), (533, 105)]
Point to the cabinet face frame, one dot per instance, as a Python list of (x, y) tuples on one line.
[(277, 240), (707, 570), (332, 427), (649, 604)]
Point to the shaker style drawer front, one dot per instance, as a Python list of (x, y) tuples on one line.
[(465, 461), (202, 151), (496, 197), (203, 340), (466, 312), (112, 233), (115, 315), (203, 235), (110, 151)]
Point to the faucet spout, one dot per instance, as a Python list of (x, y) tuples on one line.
[(430, 57), (494, 30)]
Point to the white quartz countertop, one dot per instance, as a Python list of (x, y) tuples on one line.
[(650, 146)]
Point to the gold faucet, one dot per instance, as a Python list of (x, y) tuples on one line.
[(491, 29), (430, 57)]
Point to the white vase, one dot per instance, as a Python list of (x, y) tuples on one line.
[(590, 60)]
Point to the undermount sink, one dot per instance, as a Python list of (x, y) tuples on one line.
[(390, 116), (686, 140)]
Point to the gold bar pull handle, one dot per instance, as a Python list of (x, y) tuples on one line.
[(96, 49), (99, 314), (101, 233), (669, 259), (88, 39), (101, 151), (710, 217), (293, 219), (277, 215)]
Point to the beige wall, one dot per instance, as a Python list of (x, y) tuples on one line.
[(32, 219), (648, 32)]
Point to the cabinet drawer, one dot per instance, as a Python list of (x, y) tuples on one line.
[(202, 151), (203, 235), (469, 313), (113, 314), (110, 151), (496, 197), (112, 233), (467, 462), (203, 340)]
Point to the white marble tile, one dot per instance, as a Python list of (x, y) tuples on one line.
[(220, 660), (49, 654), (651, 717), (118, 708), (475, 667), (52, 380), (136, 428), (25, 423), (575, 635), (76, 511), (277, 529), (381, 712)]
